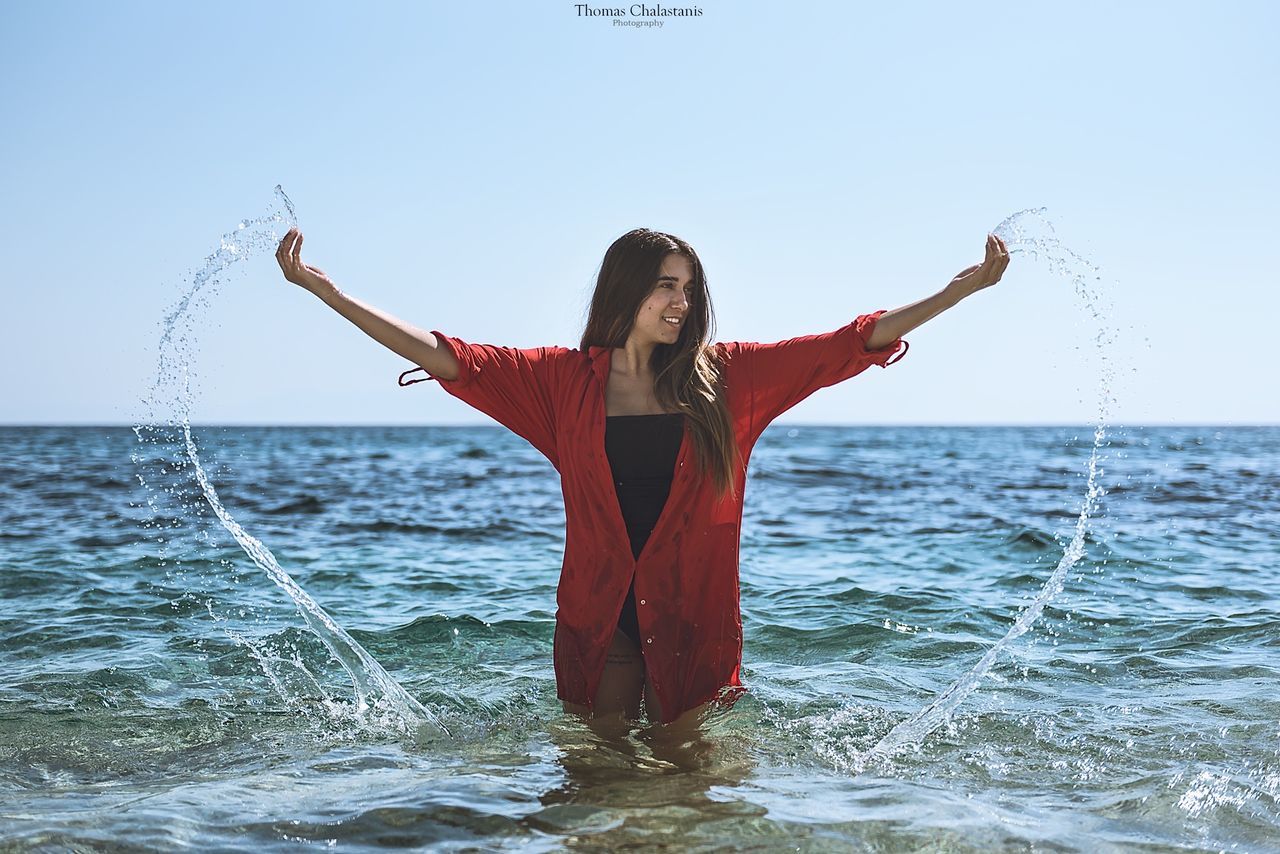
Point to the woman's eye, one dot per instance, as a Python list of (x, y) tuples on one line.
[(689, 291)]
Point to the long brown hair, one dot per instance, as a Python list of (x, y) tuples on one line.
[(687, 377)]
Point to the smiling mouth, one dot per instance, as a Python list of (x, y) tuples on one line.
[(674, 321)]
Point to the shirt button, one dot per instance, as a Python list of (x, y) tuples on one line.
[(641, 601), (650, 640)]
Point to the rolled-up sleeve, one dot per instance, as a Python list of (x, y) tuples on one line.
[(775, 377), (515, 387)]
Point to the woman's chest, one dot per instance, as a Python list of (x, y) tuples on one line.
[(630, 396)]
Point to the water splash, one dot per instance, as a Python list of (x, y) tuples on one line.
[(378, 698), (1019, 231)]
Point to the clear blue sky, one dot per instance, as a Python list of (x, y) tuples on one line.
[(465, 165)]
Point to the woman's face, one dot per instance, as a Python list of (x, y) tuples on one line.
[(672, 293)]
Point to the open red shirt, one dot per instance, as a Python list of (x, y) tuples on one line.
[(686, 578)]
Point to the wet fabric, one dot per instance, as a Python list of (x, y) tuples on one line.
[(686, 575), (642, 452)]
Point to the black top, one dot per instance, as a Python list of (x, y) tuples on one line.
[(642, 451)]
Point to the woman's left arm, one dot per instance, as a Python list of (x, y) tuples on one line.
[(892, 325)]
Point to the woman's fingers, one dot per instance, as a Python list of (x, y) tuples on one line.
[(282, 251), (997, 256), (288, 254), (282, 254), (1004, 256), (992, 262)]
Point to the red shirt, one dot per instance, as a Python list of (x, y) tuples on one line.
[(686, 578)]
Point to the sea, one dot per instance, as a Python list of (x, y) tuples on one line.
[(229, 638)]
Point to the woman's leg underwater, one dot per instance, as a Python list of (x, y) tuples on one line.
[(621, 686), (687, 723)]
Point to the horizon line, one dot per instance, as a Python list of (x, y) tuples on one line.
[(795, 424)]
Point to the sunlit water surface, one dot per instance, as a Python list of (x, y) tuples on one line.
[(878, 565)]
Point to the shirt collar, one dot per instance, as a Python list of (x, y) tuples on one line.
[(600, 362)]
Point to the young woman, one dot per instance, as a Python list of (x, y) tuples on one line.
[(650, 427)]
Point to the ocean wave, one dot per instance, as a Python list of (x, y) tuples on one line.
[(437, 628), (303, 505), (501, 529)]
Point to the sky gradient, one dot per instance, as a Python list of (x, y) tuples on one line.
[(464, 166)]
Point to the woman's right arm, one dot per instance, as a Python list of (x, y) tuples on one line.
[(418, 346)]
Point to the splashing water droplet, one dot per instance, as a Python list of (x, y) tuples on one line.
[(170, 451), (1019, 231)]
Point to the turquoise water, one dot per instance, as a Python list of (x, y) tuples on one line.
[(160, 690)]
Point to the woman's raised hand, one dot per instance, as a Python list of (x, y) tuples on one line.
[(970, 280), (289, 256)]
